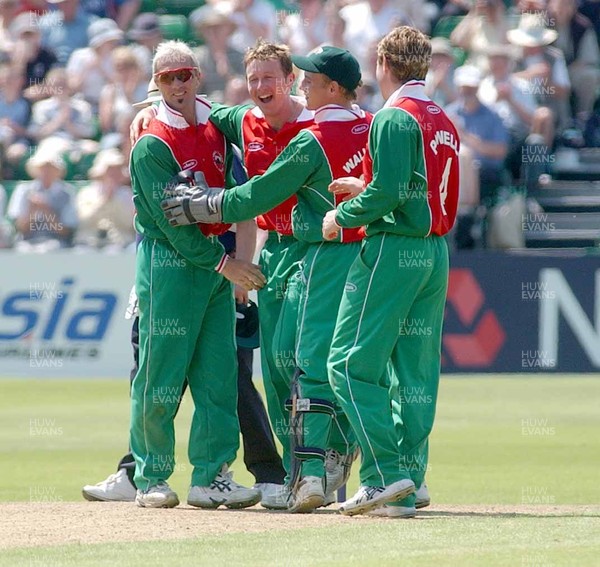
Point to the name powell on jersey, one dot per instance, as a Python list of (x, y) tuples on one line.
[(444, 138)]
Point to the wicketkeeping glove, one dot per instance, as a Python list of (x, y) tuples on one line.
[(193, 204), (177, 182)]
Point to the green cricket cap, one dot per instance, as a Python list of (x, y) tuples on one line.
[(336, 63)]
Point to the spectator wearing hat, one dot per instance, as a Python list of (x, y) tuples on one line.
[(510, 97), (578, 41), (61, 115), (129, 86), (105, 206), (439, 81), (145, 35), (544, 67), (65, 28), (485, 24), (29, 55), (480, 129), (218, 60), (42, 209), (91, 68), (14, 116)]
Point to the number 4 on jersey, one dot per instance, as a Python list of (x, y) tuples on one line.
[(444, 185)]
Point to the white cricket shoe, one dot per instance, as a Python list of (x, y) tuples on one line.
[(223, 491), (422, 497), (158, 496), (273, 496), (309, 496), (338, 468), (387, 511), (370, 497), (116, 488)]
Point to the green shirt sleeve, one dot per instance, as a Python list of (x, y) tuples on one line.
[(285, 176), (152, 166), (392, 146), (229, 119)]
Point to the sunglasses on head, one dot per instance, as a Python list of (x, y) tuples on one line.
[(183, 74)]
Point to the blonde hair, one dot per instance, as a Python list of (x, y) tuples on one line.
[(407, 52), (266, 51), (174, 51), (124, 55)]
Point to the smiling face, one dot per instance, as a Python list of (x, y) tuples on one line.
[(178, 81), (268, 85)]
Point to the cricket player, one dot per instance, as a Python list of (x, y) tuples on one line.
[(262, 131), (260, 453), (176, 269), (332, 147), (393, 303)]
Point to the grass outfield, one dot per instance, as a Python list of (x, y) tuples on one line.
[(518, 442)]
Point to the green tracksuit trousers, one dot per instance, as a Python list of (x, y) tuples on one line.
[(186, 326), (278, 312), (391, 314), (324, 272)]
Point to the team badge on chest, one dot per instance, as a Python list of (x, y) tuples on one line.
[(218, 160)]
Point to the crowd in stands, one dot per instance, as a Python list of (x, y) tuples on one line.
[(517, 77)]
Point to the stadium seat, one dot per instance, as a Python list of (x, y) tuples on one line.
[(78, 167), (9, 186), (460, 56), (589, 155), (171, 7), (445, 26), (576, 164), (174, 26), (562, 230), (568, 196), (156, 6), (182, 7)]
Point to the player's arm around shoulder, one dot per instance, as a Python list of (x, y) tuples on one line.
[(393, 139), (284, 177), (229, 120), (152, 167)]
